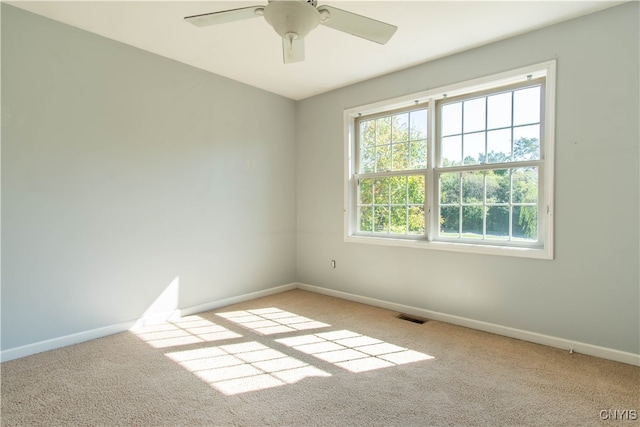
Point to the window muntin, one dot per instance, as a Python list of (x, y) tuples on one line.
[(393, 142), (392, 204), (392, 159), (489, 140), (481, 201), (493, 204), (498, 127)]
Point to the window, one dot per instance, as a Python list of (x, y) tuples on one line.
[(465, 168), (392, 153)]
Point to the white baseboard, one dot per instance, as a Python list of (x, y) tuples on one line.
[(235, 300), (53, 343), (575, 346)]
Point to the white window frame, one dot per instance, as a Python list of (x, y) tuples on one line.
[(543, 250)]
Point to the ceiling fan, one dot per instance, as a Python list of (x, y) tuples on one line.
[(294, 19)]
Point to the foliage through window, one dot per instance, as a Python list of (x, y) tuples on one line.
[(391, 194), (471, 167), (479, 136)]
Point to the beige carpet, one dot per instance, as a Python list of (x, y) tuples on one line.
[(299, 358)]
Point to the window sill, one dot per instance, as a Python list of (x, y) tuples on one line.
[(513, 251)]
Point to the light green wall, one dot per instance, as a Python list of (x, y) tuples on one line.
[(122, 170), (590, 292)]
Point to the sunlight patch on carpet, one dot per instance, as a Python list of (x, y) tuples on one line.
[(352, 351), (184, 331), (272, 320), (244, 367)]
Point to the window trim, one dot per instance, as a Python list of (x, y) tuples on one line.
[(430, 97)]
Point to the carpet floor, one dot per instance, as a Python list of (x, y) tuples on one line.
[(303, 359)]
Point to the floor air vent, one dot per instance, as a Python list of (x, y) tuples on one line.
[(410, 318)]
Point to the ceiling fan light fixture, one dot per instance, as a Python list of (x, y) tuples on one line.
[(291, 17), (294, 19)]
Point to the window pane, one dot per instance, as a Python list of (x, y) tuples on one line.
[(381, 191), (367, 133), (383, 155), (473, 187), (400, 156), (450, 221), (381, 219), (366, 191), (399, 220), (416, 190), (499, 111), (525, 222), (449, 188), (525, 185), (451, 151), (474, 115), (526, 106), (473, 148), (400, 127), (451, 119), (498, 186), (416, 220), (499, 146), (498, 222), (418, 121), (383, 130), (398, 190), (526, 143), (366, 219), (368, 160), (418, 154), (472, 218)]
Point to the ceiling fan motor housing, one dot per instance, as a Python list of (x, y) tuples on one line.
[(292, 19)]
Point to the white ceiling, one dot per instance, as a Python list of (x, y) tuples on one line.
[(250, 51)]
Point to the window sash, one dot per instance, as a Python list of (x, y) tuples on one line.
[(412, 202), (374, 224), (510, 203), (511, 88), (392, 143)]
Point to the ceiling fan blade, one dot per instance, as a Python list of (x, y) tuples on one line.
[(358, 25), (224, 16), (292, 50)]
